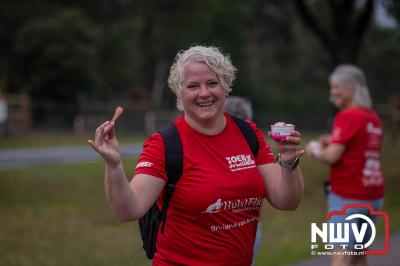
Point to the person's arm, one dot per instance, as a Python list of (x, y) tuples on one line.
[(284, 187), (129, 201), (346, 126), (330, 154)]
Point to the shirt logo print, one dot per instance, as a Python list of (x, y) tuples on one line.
[(240, 162), (144, 164), (235, 205)]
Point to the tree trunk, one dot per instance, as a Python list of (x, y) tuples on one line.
[(343, 41)]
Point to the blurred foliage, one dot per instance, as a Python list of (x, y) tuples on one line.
[(57, 58), (62, 51), (381, 61)]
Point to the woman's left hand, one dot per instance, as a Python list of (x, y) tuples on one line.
[(290, 148)]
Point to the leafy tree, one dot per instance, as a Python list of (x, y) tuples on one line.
[(58, 51), (341, 37), (287, 80), (120, 56), (57, 60), (380, 56)]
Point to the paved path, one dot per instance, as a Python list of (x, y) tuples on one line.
[(18, 158), (392, 258)]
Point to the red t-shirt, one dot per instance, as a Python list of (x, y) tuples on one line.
[(357, 175), (213, 213)]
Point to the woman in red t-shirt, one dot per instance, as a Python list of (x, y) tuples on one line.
[(213, 213), (353, 151)]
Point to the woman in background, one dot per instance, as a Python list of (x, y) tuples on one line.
[(353, 151)]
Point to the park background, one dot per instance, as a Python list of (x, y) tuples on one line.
[(66, 65)]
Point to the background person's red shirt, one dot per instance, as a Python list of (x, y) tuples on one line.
[(213, 213), (357, 175)]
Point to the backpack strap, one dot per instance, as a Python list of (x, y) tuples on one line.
[(173, 165), (248, 133)]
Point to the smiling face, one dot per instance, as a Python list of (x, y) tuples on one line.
[(202, 95), (341, 93)]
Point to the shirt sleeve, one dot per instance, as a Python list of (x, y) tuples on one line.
[(152, 159), (345, 127), (265, 154)]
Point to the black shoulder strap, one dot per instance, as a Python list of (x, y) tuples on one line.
[(248, 133), (173, 164)]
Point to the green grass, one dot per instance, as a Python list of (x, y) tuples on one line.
[(51, 139), (58, 215)]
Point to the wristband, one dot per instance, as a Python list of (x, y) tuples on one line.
[(289, 167)]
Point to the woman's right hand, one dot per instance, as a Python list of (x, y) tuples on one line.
[(106, 144)]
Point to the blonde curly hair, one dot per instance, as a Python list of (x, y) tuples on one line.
[(219, 63)]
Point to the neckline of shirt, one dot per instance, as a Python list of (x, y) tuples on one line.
[(188, 127)]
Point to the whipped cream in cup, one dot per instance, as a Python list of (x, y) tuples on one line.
[(280, 130)]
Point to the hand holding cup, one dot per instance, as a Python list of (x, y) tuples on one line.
[(287, 139)]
